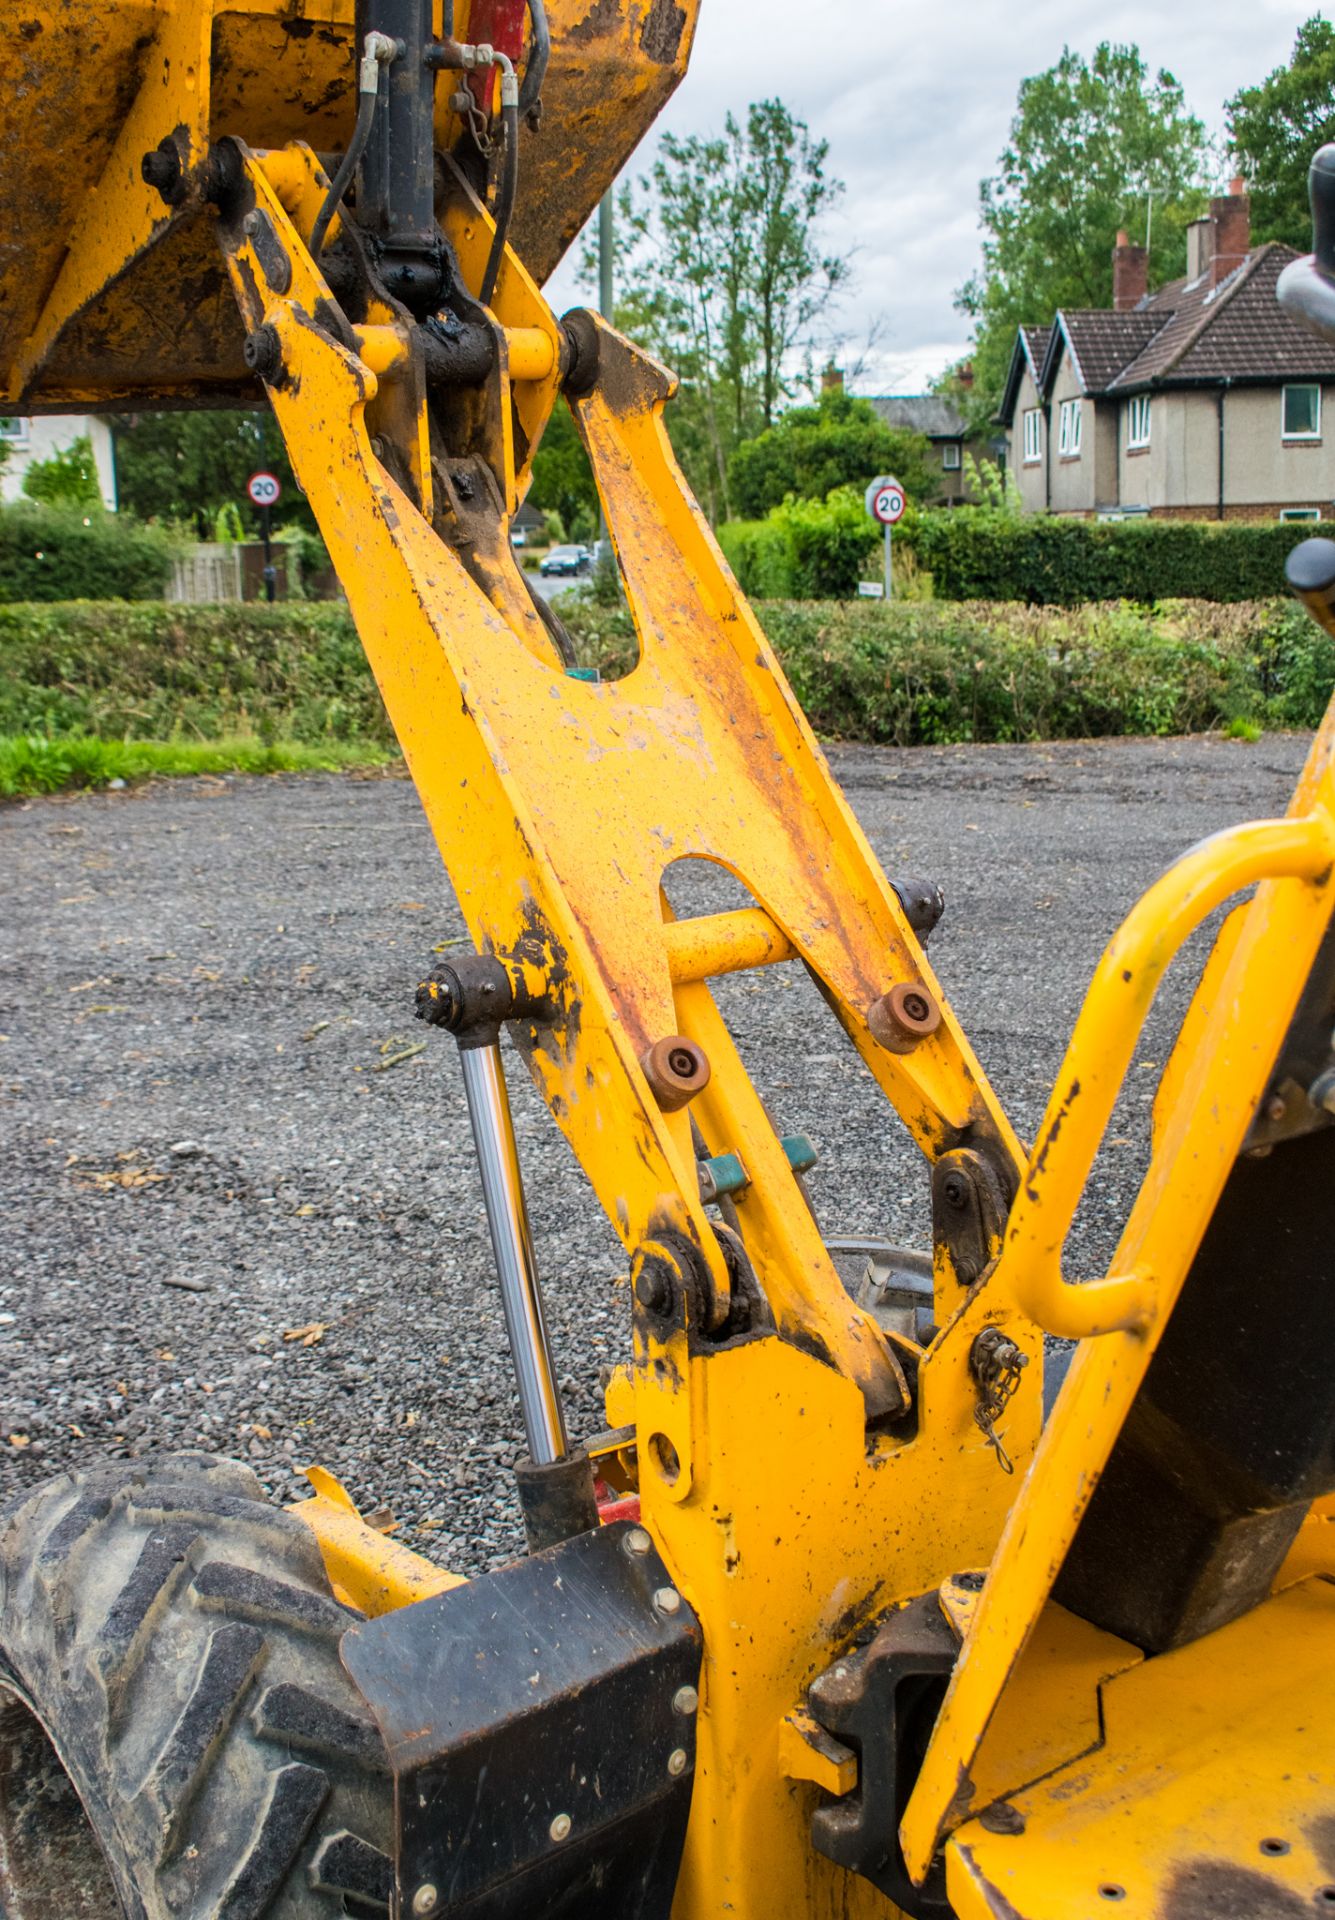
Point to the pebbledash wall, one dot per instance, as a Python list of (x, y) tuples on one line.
[(31, 440)]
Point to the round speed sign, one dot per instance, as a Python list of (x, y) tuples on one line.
[(886, 501), (264, 489)]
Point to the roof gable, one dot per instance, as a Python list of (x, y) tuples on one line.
[(1027, 356)]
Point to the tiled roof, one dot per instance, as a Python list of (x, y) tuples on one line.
[(1036, 341), (1190, 332), (1235, 331), (1030, 351), (1101, 343), (927, 413)]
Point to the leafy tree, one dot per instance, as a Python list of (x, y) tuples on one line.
[(68, 478), (1274, 128), (839, 442), (724, 278), (1095, 145), (563, 476), (187, 467)]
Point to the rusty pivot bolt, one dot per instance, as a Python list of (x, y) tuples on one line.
[(903, 1018), (263, 354), (676, 1069), (161, 169)]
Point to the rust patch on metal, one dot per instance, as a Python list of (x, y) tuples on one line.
[(1321, 1838), (1049, 1139), (1209, 1889), (661, 38), (602, 18)]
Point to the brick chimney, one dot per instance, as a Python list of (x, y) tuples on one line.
[(1231, 214), (965, 376), (832, 380), (1131, 274)]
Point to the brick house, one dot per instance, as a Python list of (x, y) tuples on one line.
[(1202, 401), (943, 427)]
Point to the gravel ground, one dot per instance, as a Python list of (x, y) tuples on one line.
[(210, 1140)]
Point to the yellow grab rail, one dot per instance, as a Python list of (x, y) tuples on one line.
[(1099, 1054)]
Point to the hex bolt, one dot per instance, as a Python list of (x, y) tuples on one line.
[(638, 1541), (903, 1018), (676, 1069), (1275, 1108), (955, 1191), (677, 1762), (560, 1827), (426, 1899), (685, 1700), (653, 1289), (667, 1600), (263, 354), (251, 224), (161, 169)]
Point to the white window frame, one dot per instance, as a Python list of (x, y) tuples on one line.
[(1139, 413), (1033, 436), (13, 430), (1300, 513), (1070, 429), (1299, 386), (950, 456)]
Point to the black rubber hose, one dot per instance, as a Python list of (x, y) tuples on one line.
[(351, 160), (554, 624), (539, 54), (505, 204)]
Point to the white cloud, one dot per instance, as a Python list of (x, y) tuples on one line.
[(915, 102)]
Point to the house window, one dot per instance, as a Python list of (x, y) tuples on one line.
[(1302, 413), (1300, 513), (1138, 422), (13, 430), (950, 456), (1033, 435), (1068, 430)]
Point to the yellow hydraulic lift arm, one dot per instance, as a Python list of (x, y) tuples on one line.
[(878, 1642)]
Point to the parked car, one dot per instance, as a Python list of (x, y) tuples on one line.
[(519, 536), (568, 560)]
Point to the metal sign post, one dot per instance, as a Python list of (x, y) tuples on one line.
[(265, 490), (886, 502)]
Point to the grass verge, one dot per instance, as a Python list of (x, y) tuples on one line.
[(32, 763)]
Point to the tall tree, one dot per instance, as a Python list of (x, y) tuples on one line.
[(1274, 128), (841, 441), (187, 466), (1094, 146), (725, 279)]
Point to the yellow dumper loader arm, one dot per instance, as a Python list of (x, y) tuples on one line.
[(849, 1510)]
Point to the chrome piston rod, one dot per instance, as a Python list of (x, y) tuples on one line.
[(512, 1244)]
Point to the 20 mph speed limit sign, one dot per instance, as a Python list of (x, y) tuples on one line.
[(885, 501), (264, 489)]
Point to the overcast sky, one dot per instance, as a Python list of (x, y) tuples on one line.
[(915, 98)]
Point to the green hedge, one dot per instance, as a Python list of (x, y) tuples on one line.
[(926, 673), (1043, 560), (915, 672), (157, 672), (803, 550), (56, 553)]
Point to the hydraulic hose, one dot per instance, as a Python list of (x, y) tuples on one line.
[(505, 199), (535, 72), (378, 51)]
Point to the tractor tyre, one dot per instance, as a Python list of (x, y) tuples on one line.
[(178, 1738)]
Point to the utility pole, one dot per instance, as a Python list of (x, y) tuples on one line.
[(606, 289)]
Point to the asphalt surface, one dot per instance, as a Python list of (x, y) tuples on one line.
[(234, 1215)]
